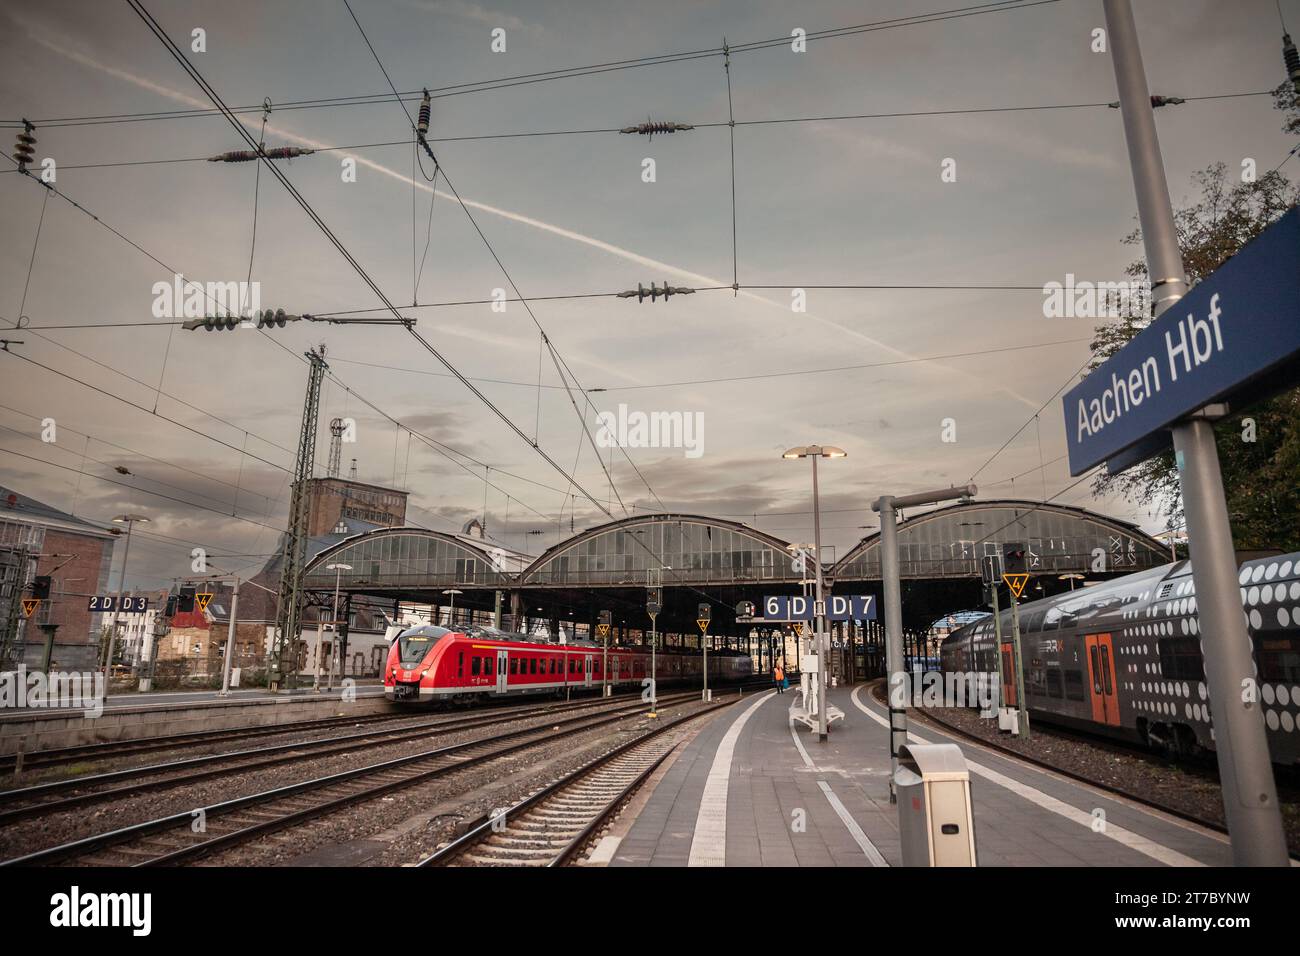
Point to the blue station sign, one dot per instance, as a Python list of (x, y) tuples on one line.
[(839, 607), (1236, 333)]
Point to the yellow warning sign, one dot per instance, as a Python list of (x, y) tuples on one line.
[(703, 622), (602, 630), (30, 605), (1016, 582), (798, 628), (202, 600)]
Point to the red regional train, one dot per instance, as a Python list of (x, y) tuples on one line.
[(429, 664)]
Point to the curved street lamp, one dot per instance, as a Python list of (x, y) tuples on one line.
[(814, 452)]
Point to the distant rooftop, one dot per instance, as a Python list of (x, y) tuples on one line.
[(15, 506)]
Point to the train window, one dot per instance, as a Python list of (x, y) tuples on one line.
[(552, 665), (1073, 685), (474, 665), (1096, 669), (532, 665), (487, 666), (1105, 669), (1054, 686), (1279, 659), (1180, 658), (514, 665), (460, 664)]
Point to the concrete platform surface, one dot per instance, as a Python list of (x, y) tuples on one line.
[(755, 789)]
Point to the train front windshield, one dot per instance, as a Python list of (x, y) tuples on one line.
[(414, 645)]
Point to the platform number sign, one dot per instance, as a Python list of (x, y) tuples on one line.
[(108, 603)]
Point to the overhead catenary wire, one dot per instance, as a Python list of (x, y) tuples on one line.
[(198, 78), (504, 271), (1000, 6), (845, 117)]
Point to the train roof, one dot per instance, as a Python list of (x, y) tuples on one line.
[(1137, 591)]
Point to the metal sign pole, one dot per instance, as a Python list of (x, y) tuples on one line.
[(230, 642), (895, 673), (1022, 724), (1245, 771)]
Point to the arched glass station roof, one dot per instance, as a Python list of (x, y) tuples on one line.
[(414, 559), (697, 549), (949, 542)]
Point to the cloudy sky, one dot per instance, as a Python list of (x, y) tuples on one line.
[(1039, 193)]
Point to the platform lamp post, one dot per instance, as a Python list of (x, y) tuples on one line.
[(130, 521), (819, 634), (1072, 576), (338, 570), (451, 610)]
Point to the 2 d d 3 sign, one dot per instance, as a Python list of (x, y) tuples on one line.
[(201, 599), (1016, 582), (839, 607), (1235, 336), (30, 605)]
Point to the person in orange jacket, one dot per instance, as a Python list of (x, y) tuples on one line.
[(778, 678)]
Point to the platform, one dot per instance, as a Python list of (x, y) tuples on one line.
[(735, 794)]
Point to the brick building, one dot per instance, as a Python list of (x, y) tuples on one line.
[(39, 540), (338, 503)]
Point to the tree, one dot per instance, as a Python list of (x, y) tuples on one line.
[(1259, 447)]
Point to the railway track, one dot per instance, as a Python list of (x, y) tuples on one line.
[(181, 837), (552, 826), (115, 749), (46, 798), (112, 749)]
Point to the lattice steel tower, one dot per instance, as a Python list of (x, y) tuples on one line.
[(336, 447), (288, 614)]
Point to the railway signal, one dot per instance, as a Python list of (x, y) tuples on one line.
[(602, 629)]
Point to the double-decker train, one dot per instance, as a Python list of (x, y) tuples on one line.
[(1123, 658), (428, 664)]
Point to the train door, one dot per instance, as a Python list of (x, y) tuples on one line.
[(1009, 681), (503, 674), (614, 674), (586, 671), (1101, 672)]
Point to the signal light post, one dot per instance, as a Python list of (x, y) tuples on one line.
[(602, 629), (654, 602)]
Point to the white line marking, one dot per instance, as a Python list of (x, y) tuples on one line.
[(709, 844), (868, 848), (855, 831), (1128, 838)]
